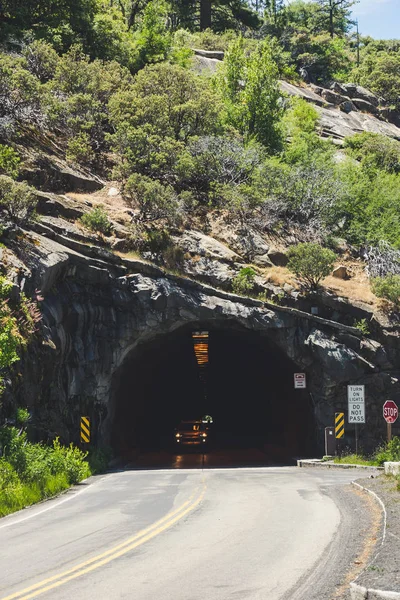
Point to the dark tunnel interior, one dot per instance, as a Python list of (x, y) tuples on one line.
[(246, 386)]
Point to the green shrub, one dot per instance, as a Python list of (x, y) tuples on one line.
[(362, 325), (155, 200), (390, 452), (97, 220), (79, 150), (243, 283), (30, 472), (310, 263), (387, 287), (16, 200), (9, 161), (22, 416)]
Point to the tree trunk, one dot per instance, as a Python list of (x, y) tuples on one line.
[(331, 27), (205, 14)]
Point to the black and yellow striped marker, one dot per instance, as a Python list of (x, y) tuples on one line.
[(85, 430), (339, 425)]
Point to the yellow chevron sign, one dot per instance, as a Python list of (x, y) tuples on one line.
[(85, 430), (339, 425)]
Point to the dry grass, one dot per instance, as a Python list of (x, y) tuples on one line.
[(115, 206), (279, 276), (357, 288)]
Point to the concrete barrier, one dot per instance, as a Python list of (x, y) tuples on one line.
[(392, 468)]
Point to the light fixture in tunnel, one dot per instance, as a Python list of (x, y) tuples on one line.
[(200, 345)]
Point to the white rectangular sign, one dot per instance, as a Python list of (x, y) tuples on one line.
[(356, 400), (299, 381)]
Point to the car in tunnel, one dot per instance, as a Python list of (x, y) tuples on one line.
[(194, 433)]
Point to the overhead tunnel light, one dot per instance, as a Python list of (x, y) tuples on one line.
[(200, 345)]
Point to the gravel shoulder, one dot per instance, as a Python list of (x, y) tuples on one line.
[(383, 572)]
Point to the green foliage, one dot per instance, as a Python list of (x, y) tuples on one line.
[(30, 472), (390, 452), (20, 93), (249, 87), (387, 287), (156, 116), (155, 200), (243, 283), (355, 459), (22, 416), (97, 220), (9, 161), (375, 152), (368, 208), (153, 40), (79, 150), (17, 201), (362, 325), (310, 263), (380, 73)]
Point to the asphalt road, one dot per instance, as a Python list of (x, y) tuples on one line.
[(273, 533)]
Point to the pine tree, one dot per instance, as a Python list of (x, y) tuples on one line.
[(337, 15)]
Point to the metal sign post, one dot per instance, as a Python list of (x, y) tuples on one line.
[(356, 402)]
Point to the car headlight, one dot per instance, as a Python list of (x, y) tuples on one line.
[(177, 435), (204, 435)]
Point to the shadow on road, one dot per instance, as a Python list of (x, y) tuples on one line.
[(227, 458)]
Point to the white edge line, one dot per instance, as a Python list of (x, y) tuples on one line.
[(55, 505), (380, 502)]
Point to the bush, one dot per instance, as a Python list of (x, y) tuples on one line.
[(155, 200), (387, 287), (79, 150), (362, 326), (16, 200), (310, 263), (30, 472), (9, 161), (243, 283), (97, 220), (390, 452)]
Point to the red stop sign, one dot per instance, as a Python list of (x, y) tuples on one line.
[(390, 411)]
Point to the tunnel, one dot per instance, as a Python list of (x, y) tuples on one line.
[(243, 381)]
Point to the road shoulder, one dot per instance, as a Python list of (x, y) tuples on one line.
[(381, 579)]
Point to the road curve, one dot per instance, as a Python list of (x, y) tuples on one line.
[(183, 535)]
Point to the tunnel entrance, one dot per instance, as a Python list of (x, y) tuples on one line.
[(247, 387)]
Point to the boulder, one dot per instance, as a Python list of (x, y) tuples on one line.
[(333, 97), (199, 244), (57, 206), (214, 272), (120, 245), (365, 106), (341, 272), (53, 176), (392, 468), (215, 54), (338, 88), (347, 106), (357, 91), (389, 114)]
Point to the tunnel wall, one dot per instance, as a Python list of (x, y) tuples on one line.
[(94, 328)]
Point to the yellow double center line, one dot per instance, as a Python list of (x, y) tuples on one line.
[(102, 559)]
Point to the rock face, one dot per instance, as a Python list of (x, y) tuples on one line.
[(348, 120), (98, 312)]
